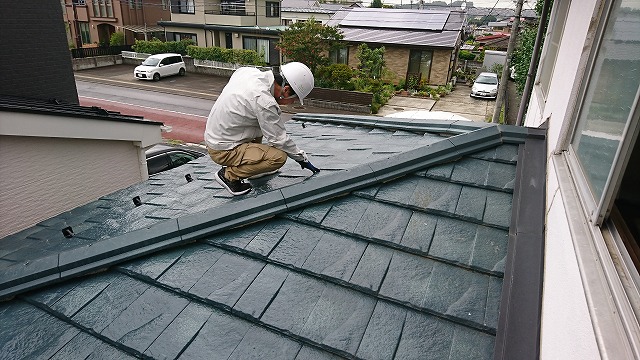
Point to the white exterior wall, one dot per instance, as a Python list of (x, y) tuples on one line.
[(43, 177), (566, 331)]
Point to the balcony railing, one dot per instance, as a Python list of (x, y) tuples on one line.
[(230, 10)]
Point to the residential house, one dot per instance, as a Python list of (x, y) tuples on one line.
[(586, 94), (418, 43), (230, 24), (91, 22), (501, 27), (499, 42), (294, 11), (54, 154)]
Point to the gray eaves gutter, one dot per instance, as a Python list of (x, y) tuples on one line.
[(238, 29), (519, 324)]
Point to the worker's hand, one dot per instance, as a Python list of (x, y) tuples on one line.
[(308, 165)]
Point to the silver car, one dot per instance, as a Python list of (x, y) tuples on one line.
[(485, 86)]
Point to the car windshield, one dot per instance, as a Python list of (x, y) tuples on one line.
[(151, 61), (484, 79)]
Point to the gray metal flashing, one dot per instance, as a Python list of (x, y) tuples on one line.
[(518, 335), (509, 134), (233, 214)]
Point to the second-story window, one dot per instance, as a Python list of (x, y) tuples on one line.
[(103, 8), (183, 7), (273, 9)]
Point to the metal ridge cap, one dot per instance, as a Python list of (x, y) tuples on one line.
[(454, 127)]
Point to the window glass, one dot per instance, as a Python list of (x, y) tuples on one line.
[(178, 159), (610, 95), (84, 32), (273, 9), (339, 56), (552, 44), (157, 164), (420, 63)]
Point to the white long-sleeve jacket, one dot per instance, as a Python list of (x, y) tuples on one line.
[(245, 110)]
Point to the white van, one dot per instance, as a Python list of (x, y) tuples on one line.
[(160, 65)]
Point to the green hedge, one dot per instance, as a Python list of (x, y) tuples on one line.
[(159, 47), (235, 56)]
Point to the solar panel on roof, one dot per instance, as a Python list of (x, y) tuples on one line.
[(396, 19)]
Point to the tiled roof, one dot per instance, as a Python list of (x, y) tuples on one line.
[(397, 249)]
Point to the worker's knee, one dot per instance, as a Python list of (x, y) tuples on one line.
[(278, 157)]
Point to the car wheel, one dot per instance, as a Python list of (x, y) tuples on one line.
[(182, 72), (156, 77)]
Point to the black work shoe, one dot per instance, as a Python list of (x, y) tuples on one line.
[(235, 187)]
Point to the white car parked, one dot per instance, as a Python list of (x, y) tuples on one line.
[(485, 86), (160, 65)]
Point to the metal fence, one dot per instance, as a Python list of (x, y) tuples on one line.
[(99, 51)]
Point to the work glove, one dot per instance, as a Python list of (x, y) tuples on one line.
[(305, 164)]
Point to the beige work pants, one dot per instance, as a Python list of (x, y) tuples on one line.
[(248, 159)]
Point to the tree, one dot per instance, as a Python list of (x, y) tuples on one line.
[(521, 58), (309, 42), (372, 61), (376, 4)]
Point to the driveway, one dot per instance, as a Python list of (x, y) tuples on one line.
[(458, 102)]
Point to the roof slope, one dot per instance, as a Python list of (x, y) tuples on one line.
[(399, 27), (397, 250)]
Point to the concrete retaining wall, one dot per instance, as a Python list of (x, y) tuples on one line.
[(96, 61)]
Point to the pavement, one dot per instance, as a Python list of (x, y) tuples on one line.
[(209, 87)]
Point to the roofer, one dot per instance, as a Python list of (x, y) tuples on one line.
[(248, 110)]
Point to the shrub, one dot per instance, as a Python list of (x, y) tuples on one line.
[(156, 46), (116, 39), (236, 56), (335, 76), (466, 55)]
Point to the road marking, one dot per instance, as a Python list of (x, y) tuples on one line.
[(143, 86), (141, 106)]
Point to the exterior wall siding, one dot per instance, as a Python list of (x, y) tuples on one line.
[(567, 331), (37, 185), (397, 59), (43, 62)]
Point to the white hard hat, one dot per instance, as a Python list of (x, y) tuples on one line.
[(299, 76)]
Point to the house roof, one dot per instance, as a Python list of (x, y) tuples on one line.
[(310, 6), (402, 246), (402, 27), (58, 119)]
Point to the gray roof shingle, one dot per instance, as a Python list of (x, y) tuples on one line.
[(396, 250)]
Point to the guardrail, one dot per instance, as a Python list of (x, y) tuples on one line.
[(134, 55)]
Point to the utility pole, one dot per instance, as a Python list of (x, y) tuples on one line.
[(502, 88)]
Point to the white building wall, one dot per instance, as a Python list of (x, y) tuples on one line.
[(43, 177), (566, 331)]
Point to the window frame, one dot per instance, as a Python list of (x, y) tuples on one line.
[(551, 48), (600, 208)]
